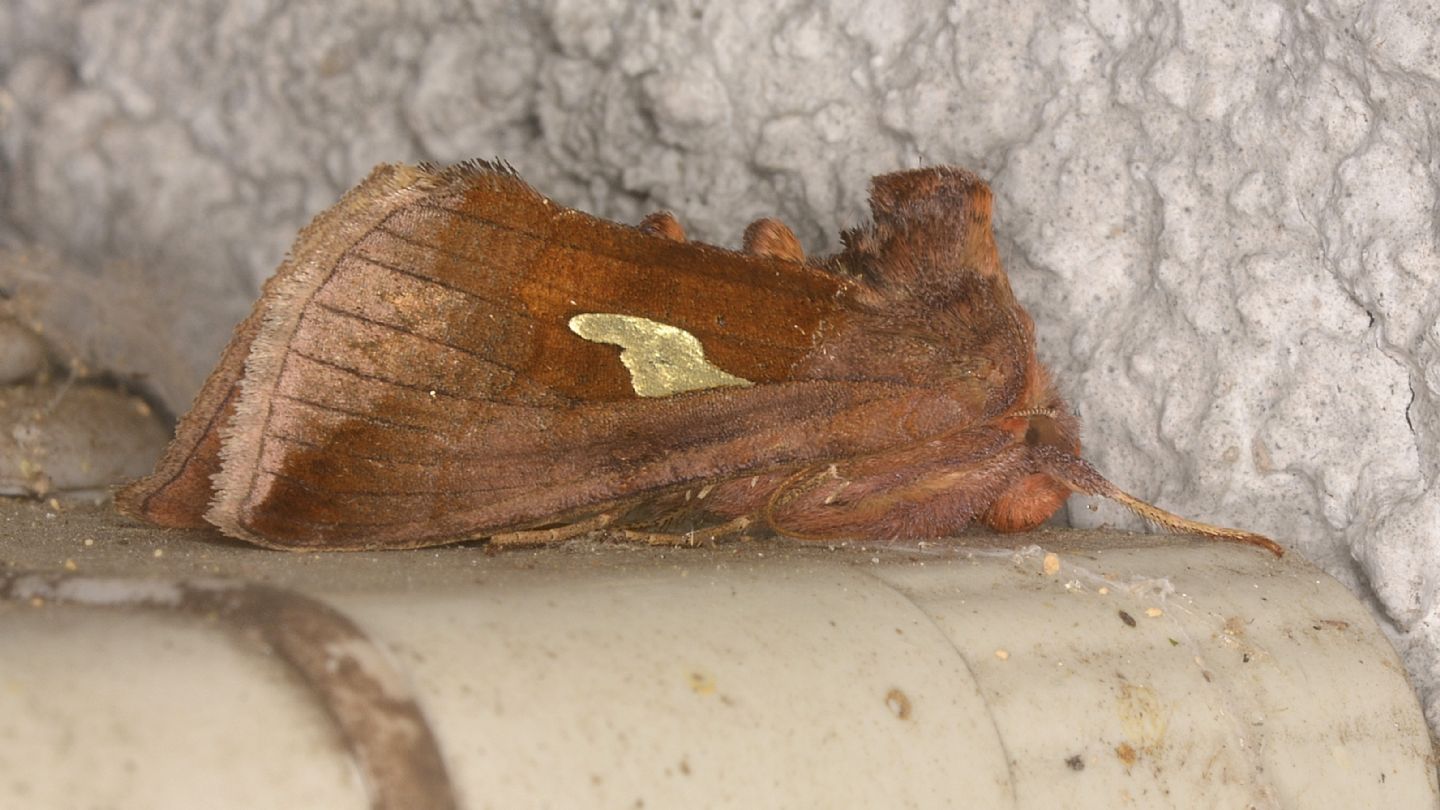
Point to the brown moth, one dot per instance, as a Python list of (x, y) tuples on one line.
[(448, 355)]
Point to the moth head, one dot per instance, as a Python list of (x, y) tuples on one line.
[(1052, 427), (1046, 432)]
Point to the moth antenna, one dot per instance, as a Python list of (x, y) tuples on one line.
[(1050, 412), (1175, 523), (1078, 475)]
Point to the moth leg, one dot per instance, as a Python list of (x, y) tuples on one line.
[(927, 491), (664, 225), (773, 239), (540, 537), (699, 537)]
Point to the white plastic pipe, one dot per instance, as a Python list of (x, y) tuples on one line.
[(1156, 673)]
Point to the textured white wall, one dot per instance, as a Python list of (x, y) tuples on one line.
[(1223, 219)]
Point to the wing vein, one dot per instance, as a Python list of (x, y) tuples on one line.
[(426, 279), (318, 489), (431, 390), (344, 313), (364, 417)]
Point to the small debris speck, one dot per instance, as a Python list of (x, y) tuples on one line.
[(1075, 763), (702, 684), (898, 703), (89, 541), (70, 565), (159, 552)]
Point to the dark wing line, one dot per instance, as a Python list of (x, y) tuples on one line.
[(352, 252), (343, 450), (362, 524), (365, 417), (414, 521), (343, 313), (425, 389), (384, 423), (311, 487)]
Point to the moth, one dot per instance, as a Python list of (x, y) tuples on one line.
[(448, 355)]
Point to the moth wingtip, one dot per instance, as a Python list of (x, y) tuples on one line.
[(478, 165), (495, 174)]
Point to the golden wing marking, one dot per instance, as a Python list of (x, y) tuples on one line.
[(662, 359)]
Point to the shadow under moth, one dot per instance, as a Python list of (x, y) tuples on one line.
[(448, 355)]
